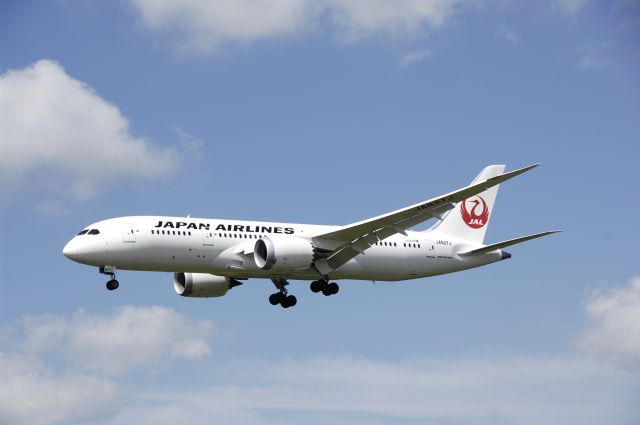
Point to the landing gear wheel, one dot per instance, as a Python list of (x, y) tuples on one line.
[(331, 289), (317, 285), (276, 298), (110, 271), (282, 297), (112, 284), (289, 301)]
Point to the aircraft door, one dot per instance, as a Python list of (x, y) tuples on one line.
[(430, 246), (128, 234), (207, 238)]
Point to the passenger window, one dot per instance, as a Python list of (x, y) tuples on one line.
[(189, 233)]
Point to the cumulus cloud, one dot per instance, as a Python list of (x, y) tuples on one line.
[(524, 391), (62, 370), (131, 338), (614, 331), (59, 133), (356, 19), (202, 25), (31, 394)]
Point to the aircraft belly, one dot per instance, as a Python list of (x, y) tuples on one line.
[(379, 267)]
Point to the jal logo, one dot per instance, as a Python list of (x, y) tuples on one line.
[(475, 212)]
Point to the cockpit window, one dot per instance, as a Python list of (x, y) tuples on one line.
[(94, 232), (83, 232)]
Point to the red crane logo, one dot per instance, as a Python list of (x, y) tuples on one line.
[(475, 212)]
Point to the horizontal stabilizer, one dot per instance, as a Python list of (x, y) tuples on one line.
[(505, 244)]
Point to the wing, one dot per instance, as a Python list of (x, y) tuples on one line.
[(358, 237)]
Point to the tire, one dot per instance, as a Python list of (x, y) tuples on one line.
[(112, 284), (274, 299), (291, 300), (333, 288), (316, 286)]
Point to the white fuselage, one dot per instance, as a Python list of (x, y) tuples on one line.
[(225, 248)]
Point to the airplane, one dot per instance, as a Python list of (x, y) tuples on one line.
[(208, 257)]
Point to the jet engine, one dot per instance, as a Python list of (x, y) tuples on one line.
[(278, 253), (202, 285)]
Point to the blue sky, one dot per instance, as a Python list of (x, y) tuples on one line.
[(321, 112)]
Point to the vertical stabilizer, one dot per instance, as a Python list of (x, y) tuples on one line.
[(470, 218)]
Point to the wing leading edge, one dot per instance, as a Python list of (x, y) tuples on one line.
[(358, 237)]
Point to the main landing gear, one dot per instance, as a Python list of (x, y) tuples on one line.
[(324, 286), (110, 271), (281, 297)]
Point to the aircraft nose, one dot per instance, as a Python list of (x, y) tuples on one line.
[(70, 250)]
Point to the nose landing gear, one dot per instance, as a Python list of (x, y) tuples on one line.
[(112, 284)]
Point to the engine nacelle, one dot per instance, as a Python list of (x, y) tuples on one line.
[(283, 253), (202, 285)]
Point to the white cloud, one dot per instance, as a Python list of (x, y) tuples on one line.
[(132, 337), (524, 391), (567, 7), (414, 57), (508, 34), (52, 208), (202, 25), (592, 55), (356, 19), (31, 394), (60, 370), (614, 332), (58, 133)]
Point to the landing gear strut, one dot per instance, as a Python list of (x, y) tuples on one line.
[(281, 297), (110, 271), (324, 286)]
